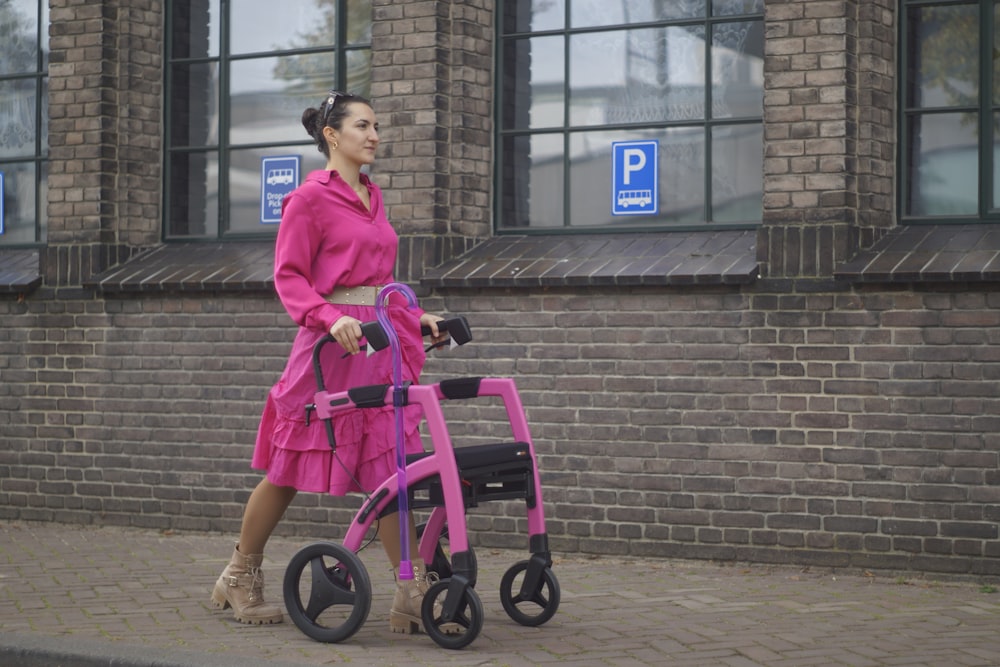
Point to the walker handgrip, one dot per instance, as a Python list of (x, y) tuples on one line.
[(457, 328), (375, 335)]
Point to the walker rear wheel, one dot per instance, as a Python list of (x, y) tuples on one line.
[(327, 592)]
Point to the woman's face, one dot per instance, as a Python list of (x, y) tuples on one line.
[(357, 138)]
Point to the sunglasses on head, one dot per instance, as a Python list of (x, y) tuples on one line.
[(331, 100)]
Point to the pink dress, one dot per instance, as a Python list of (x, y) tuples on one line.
[(328, 239)]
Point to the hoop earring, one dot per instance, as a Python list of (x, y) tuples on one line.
[(334, 146)]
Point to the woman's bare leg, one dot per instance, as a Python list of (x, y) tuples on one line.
[(266, 506), (388, 531)]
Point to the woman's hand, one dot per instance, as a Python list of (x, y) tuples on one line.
[(347, 332), (430, 321)]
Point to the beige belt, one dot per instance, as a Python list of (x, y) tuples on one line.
[(362, 295)]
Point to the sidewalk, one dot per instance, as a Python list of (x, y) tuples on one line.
[(83, 597)]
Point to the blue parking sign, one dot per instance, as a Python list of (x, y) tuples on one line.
[(278, 176), (634, 178)]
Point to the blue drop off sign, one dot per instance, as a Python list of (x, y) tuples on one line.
[(278, 176)]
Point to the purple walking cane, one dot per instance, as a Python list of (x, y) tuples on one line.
[(398, 402)]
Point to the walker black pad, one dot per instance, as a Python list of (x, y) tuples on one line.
[(504, 454), (458, 388), (497, 471)]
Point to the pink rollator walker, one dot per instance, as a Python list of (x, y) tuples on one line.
[(327, 590)]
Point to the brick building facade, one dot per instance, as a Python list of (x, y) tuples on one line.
[(823, 389)]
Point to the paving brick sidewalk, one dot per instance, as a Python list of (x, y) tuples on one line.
[(112, 596)]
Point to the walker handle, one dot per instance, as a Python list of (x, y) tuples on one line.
[(456, 327)]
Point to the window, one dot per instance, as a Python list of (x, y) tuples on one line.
[(950, 129), (239, 76), (618, 115), (24, 61)]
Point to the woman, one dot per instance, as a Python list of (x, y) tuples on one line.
[(335, 249)]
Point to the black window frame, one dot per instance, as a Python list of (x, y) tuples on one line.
[(40, 158), (985, 109), (224, 147), (707, 123)]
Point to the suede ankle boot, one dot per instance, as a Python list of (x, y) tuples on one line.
[(405, 615), (241, 586)]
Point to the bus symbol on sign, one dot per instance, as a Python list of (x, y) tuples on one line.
[(634, 178), (628, 198), (279, 175)]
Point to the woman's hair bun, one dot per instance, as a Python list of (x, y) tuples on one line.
[(310, 118)]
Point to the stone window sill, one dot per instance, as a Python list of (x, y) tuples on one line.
[(215, 267), (726, 257), (929, 253)]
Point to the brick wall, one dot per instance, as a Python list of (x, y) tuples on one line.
[(844, 428), (796, 419)]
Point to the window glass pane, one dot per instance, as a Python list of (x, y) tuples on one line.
[(681, 170), (268, 95), (533, 181), (359, 72), (19, 202), (42, 215), (244, 176), (44, 36), (359, 22), (996, 46), (996, 162), (737, 173), (194, 201), (682, 175), (733, 7), (194, 29), (584, 13), (18, 122), (533, 83), (194, 105), (533, 15), (738, 69), (943, 56), (259, 27), (44, 82), (19, 37), (637, 76), (944, 165)]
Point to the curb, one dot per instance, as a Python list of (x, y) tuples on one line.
[(25, 650)]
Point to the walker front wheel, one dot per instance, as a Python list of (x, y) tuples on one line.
[(327, 592), (463, 626), (519, 599)]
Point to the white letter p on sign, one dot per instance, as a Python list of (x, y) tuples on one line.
[(635, 160)]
